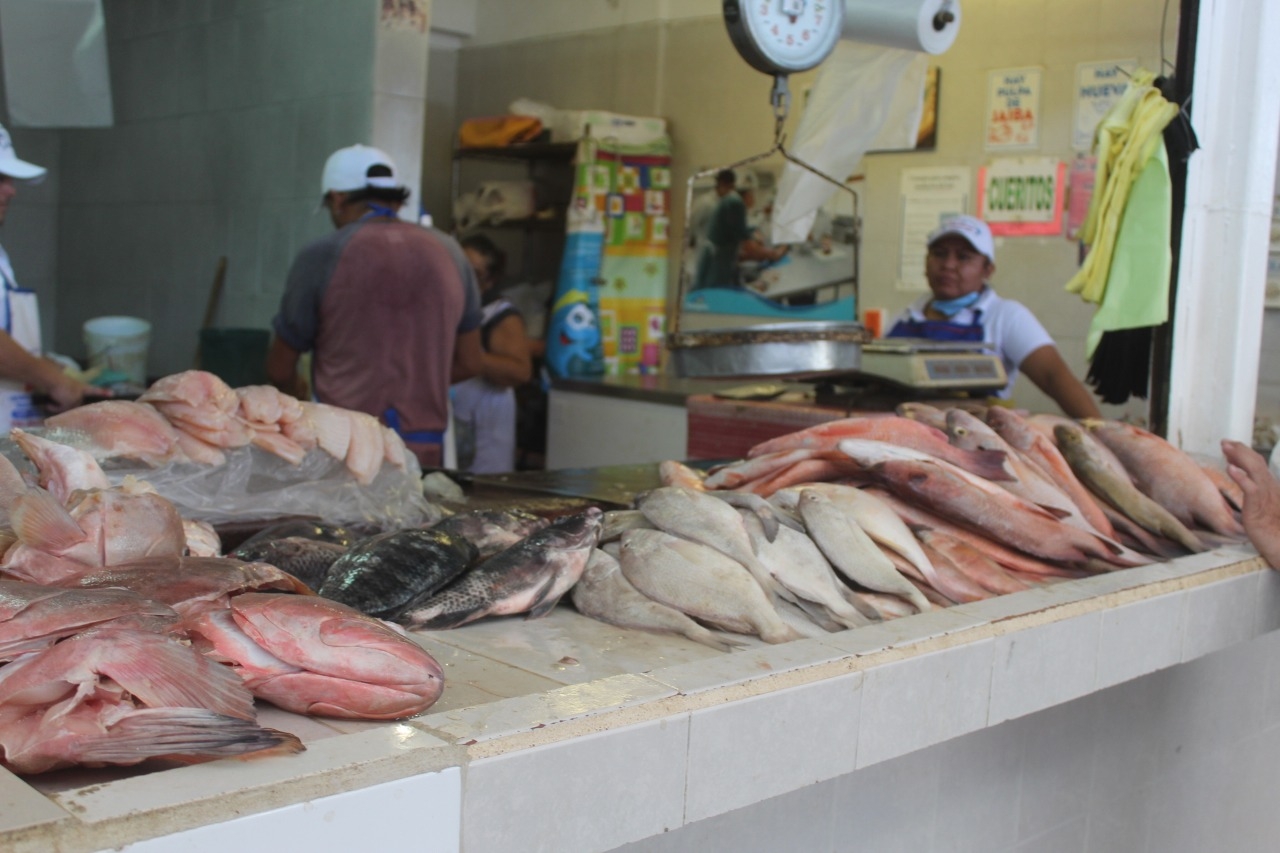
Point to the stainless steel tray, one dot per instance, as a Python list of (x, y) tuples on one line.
[(801, 350)]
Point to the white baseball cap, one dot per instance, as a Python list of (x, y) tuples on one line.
[(970, 228), (347, 170), (13, 167)]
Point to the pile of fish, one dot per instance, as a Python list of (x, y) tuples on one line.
[(466, 567), (196, 417), (879, 516), (117, 644)]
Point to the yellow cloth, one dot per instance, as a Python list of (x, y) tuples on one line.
[(1126, 138)]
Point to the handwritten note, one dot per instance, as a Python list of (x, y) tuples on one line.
[(1013, 109)]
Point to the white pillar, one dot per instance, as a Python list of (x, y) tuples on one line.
[(400, 91), (1217, 331)]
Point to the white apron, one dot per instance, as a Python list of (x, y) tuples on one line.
[(20, 317)]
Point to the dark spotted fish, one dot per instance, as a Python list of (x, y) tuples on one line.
[(382, 574), (529, 577), (492, 530), (308, 560)]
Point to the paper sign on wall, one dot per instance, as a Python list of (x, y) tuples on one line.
[(1013, 109), (1098, 86), (928, 197), (1022, 195)]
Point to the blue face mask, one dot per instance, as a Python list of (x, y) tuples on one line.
[(952, 307)]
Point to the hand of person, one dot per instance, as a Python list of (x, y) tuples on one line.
[(780, 252), (1261, 512), (67, 392)]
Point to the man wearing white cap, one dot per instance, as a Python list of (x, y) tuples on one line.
[(23, 369), (389, 310), (963, 307)]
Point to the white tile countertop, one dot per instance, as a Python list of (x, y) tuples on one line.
[(567, 734)]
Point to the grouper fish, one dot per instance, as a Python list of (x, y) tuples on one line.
[(381, 575), (529, 577)]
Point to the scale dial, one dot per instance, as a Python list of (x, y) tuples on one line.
[(784, 36)]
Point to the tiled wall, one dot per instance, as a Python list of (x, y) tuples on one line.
[(686, 70), (225, 112), (1155, 764)]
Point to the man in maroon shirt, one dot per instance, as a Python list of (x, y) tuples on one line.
[(389, 310)]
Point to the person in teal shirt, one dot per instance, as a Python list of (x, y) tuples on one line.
[(731, 239)]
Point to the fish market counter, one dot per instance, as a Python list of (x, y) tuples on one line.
[(1138, 710)]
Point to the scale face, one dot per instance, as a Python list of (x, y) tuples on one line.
[(784, 36), (935, 365)]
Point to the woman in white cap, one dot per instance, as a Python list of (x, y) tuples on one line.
[(964, 307), (23, 368)]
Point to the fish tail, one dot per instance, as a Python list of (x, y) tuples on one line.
[(154, 732)]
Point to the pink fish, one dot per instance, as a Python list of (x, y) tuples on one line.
[(314, 656), (34, 617), (192, 585), (1168, 476), (891, 429)]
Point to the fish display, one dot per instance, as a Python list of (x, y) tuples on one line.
[(491, 531), (529, 577), (383, 574)]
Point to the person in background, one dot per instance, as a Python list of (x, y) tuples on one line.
[(389, 310), (731, 239), (704, 207), (961, 258), (1261, 511), (23, 368), (484, 406)]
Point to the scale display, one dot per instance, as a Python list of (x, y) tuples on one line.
[(934, 365)]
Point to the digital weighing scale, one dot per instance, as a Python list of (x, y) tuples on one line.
[(926, 365)]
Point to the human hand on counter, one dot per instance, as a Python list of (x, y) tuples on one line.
[(67, 392)]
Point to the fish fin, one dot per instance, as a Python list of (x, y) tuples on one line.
[(1056, 512), (42, 522), (543, 603)]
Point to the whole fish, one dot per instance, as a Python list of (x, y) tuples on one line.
[(604, 593), (493, 530), (529, 577), (852, 551), (309, 655), (768, 515), (381, 575), (903, 432), (1091, 467), (308, 560), (923, 412), (986, 508), (951, 583), (702, 583), (797, 564), (1168, 476)]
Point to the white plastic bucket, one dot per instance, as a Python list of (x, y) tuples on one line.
[(119, 343)]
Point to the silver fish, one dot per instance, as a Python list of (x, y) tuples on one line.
[(702, 582), (604, 593)]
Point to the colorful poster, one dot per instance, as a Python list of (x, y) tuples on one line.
[(928, 197), (1022, 195), (633, 271), (1098, 86), (1013, 109), (573, 332)]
